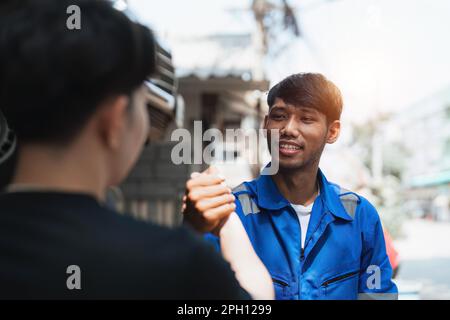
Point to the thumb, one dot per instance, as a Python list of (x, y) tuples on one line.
[(215, 171), (195, 175), (212, 170)]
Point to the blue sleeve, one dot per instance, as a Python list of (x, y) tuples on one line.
[(376, 272)]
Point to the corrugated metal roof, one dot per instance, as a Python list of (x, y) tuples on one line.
[(216, 56)]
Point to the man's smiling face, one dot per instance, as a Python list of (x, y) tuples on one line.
[(304, 131)]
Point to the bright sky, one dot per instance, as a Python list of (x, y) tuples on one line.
[(383, 54)]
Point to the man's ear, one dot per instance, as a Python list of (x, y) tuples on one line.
[(112, 118), (334, 130)]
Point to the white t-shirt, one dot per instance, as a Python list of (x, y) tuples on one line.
[(303, 214)]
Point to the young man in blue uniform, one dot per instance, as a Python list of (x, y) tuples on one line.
[(318, 240)]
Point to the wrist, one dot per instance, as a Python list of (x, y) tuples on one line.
[(227, 226)]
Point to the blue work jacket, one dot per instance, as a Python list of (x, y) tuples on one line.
[(344, 256)]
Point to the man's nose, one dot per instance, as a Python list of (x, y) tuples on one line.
[(290, 128)]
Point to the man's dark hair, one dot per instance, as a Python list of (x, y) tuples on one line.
[(53, 78), (310, 90)]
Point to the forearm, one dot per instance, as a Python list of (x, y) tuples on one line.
[(238, 251)]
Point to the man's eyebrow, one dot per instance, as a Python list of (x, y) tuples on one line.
[(277, 107), (309, 110)]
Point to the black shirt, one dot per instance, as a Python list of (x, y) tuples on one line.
[(43, 233)]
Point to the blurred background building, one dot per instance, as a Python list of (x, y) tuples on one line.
[(221, 81), (426, 174)]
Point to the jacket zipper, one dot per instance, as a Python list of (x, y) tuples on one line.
[(282, 283), (342, 277)]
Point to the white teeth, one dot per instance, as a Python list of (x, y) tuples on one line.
[(290, 147)]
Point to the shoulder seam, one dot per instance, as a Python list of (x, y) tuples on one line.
[(244, 196), (349, 200)]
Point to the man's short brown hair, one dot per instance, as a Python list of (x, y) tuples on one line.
[(311, 90)]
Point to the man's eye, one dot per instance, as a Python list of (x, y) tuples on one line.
[(276, 116), (307, 119)]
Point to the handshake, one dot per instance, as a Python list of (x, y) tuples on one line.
[(208, 201), (208, 206)]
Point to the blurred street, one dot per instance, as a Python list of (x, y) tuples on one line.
[(425, 259)]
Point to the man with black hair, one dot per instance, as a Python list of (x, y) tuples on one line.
[(76, 101), (318, 240)]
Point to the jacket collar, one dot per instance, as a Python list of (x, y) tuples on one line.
[(330, 198), (270, 198)]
